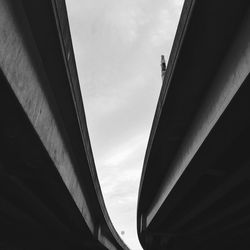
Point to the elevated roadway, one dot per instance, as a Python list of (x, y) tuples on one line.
[(195, 186), (50, 196)]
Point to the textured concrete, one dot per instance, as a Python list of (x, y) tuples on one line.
[(194, 190), (233, 72), (37, 61), (21, 66)]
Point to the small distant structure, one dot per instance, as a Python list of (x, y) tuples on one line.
[(163, 67), (122, 232)]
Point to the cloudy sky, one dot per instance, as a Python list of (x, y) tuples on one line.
[(118, 44)]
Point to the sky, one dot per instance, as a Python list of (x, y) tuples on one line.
[(117, 45)]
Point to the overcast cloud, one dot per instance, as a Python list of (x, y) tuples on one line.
[(117, 46)]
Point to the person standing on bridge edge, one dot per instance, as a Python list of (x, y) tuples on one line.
[(163, 67)]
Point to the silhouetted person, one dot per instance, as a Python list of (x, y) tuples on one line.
[(163, 67)]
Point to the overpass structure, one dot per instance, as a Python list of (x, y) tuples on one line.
[(195, 186), (50, 196)]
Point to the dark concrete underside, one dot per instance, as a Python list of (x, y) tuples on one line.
[(208, 205), (36, 209), (50, 196)]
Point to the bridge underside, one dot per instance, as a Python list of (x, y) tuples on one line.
[(50, 196), (36, 209), (195, 188)]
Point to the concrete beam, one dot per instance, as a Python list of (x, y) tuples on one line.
[(230, 76), (231, 182), (22, 67), (104, 239), (228, 211), (30, 212)]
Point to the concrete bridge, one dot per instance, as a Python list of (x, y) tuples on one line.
[(50, 196), (195, 186)]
